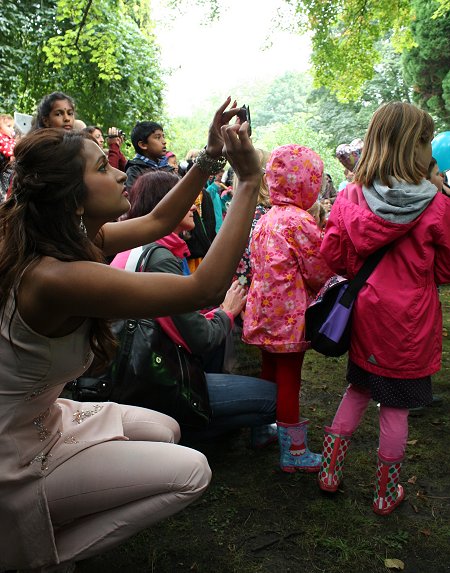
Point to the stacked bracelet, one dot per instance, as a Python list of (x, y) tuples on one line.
[(210, 165)]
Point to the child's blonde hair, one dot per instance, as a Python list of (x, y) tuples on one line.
[(4, 116), (314, 211), (394, 132), (263, 195)]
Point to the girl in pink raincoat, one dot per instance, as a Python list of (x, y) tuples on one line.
[(396, 342), (288, 271)]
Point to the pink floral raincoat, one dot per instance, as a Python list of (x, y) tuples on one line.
[(288, 269)]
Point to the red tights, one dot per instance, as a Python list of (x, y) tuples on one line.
[(286, 371)]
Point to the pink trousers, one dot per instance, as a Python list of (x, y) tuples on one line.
[(393, 423), (112, 490)]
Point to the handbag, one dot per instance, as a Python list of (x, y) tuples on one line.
[(328, 317), (151, 371)]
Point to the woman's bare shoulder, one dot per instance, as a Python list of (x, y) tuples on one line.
[(44, 293)]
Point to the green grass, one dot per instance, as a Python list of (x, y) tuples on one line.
[(255, 519)]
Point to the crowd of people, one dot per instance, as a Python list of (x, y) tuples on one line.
[(249, 237)]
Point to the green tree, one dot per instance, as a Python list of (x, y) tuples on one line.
[(185, 133), (24, 28), (103, 53), (346, 35), (298, 131), (427, 65), (284, 97), (345, 38), (344, 122)]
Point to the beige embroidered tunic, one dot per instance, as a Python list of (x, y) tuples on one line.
[(39, 432)]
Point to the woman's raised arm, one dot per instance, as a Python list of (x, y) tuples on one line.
[(54, 292), (169, 212)]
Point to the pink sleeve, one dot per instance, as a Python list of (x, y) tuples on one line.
[(315, 270)]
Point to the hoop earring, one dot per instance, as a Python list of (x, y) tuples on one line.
[(83, 226)]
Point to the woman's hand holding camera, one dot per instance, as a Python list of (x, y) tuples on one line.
[(221, 118), (241, 154)]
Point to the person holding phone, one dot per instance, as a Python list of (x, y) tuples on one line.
[(76, 479), (114, 141)]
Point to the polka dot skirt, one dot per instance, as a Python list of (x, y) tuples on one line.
[(393, 392)]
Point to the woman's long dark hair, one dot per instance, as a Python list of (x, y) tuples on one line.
[(39, 218)]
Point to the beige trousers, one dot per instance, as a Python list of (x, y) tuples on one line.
[(112, 490)]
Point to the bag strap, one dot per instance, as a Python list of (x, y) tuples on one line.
[(355, 285), (131, 324), (132, 259), (146, 254)]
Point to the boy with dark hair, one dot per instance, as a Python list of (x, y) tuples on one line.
[(149, 143)]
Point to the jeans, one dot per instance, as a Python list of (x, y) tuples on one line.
[(237, 402)]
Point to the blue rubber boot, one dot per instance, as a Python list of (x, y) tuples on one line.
[(294, 453)]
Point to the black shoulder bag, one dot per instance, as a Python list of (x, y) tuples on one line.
[(328, 318), (151, 371)]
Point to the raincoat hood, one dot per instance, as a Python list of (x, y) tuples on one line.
[(401, 203), (294, 176), (368, 215)]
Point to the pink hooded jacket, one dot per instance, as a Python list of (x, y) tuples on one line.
[(396, 322), (288, 269)]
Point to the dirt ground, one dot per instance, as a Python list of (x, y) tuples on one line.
[(254, 518)]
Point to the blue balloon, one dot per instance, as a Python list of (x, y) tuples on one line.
[(441, 150)]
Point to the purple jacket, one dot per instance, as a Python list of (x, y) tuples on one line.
[(397, 321)]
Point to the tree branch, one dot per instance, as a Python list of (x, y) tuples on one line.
[(83, 21)]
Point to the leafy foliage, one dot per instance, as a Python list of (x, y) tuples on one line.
[(298, 131), (427, 65), (347, 121), (345, 39), (444, 6), (102, 53), (24, 27), (185, 133), (284, 97), (348, 34)]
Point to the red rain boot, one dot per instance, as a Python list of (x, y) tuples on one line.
[(388, 492), (334, 450)]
